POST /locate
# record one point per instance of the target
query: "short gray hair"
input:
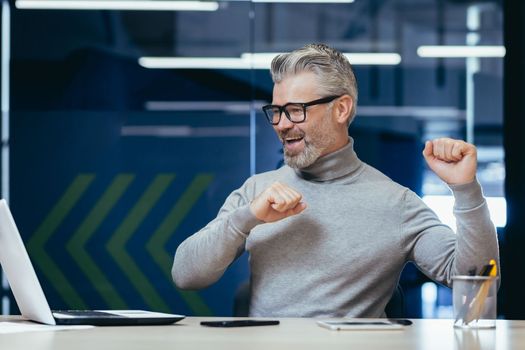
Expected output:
(333, 70)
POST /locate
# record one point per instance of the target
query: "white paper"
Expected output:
(21, 327)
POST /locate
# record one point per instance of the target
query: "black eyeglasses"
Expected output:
(294, 111)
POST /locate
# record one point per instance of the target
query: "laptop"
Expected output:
(30, 297)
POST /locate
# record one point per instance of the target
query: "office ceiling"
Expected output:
(60, 37)
(372, 25)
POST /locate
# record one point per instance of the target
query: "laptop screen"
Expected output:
(20, 272)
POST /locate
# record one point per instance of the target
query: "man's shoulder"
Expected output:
(376, 178)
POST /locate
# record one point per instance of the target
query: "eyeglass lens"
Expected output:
(294, 112)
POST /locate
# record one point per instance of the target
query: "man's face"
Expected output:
(318, 135)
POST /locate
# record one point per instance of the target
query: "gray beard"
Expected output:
(320, 139)
(305, 158)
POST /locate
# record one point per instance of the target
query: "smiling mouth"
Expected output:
(292, 140)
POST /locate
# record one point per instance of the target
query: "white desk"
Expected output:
(292, 333)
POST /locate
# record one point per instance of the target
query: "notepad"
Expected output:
(364, 324)
(23, 327)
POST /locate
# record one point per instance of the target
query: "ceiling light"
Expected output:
(373, 58)
(263, 60)
(254, 61)
(146, 5)
(461, 51)
(194, 62)
(307, 1)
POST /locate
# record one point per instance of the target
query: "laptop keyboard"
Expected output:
(84, 313)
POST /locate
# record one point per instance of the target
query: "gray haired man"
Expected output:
(327, 234)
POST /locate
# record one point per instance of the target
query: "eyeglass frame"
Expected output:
(304, 105)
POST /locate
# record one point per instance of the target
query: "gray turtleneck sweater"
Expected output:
(343, 255)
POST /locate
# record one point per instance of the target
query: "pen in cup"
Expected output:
(473, 306)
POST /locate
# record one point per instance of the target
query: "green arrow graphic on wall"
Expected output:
(156, 245)
(76, 245)
(36, 244)
(116, 246)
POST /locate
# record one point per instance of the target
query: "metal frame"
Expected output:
(6, 56)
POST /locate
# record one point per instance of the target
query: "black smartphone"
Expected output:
(239, 323)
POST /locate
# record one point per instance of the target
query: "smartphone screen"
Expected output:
(240, 323)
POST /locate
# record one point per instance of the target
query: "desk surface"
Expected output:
(292, 333)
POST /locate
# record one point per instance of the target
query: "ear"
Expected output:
(342, 108)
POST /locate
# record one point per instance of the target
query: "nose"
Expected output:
(284, 123)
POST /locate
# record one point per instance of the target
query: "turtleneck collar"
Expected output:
(340, 163)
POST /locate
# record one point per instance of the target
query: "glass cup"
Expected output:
(474, 301)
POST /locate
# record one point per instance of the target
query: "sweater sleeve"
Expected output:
(436, 249)
(202, 258)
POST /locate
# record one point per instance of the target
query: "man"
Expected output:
(327, 234)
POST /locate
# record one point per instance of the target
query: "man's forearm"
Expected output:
(477, 238)
(202, 258)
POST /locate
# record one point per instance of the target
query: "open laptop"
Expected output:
(30, 296)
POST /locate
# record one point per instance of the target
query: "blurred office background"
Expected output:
(129, 126)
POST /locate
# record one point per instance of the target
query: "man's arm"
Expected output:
(203, 257)
(437, 250)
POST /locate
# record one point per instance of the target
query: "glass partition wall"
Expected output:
(130, 127)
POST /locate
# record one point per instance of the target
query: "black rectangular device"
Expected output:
(240, 323)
